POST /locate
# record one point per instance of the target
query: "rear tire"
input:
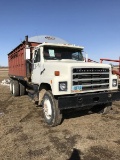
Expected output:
(16, 88)
(51, 112)
(11, 86)
(22, 89)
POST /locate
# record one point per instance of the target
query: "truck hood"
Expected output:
(74, 63)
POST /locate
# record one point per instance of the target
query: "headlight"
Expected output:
(114, 82)
(62, 86)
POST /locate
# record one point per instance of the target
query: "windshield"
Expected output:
(59, 53)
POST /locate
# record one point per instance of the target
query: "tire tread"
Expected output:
(16, 88)
(22, 89)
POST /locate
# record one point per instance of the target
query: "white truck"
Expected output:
(56, 75)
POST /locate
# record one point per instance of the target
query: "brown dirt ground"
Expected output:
(81, 136)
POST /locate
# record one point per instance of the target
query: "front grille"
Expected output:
(91, 78)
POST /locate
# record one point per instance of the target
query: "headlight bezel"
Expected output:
(114, 83)
(63, 86)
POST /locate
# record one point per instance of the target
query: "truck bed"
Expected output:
(17, 63)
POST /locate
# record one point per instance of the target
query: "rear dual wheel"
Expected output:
(11, 86)
(22, 88)
(17, 88)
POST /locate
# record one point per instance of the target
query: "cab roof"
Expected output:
(60, 45)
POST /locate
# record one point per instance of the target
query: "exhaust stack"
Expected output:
(26, 41)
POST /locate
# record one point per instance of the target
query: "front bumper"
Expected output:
(85, 101)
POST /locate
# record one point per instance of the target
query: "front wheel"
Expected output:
(51, 111)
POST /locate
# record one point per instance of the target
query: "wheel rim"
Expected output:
(47, 109)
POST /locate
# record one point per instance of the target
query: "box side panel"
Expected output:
(16, 61)
(17, 64)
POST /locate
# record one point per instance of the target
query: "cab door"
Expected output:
(36, 68)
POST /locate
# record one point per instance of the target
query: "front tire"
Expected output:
(51, 111)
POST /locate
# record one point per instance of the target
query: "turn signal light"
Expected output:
(57, 73)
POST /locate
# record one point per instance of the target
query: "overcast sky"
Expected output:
(94, 24)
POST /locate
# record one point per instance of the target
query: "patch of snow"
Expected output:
(5, 82)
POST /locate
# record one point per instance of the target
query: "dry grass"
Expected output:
(81, 136)
(3, 73)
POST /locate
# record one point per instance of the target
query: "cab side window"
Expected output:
(37, 56)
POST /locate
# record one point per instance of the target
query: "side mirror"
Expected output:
(86, 57)
(27, 53)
